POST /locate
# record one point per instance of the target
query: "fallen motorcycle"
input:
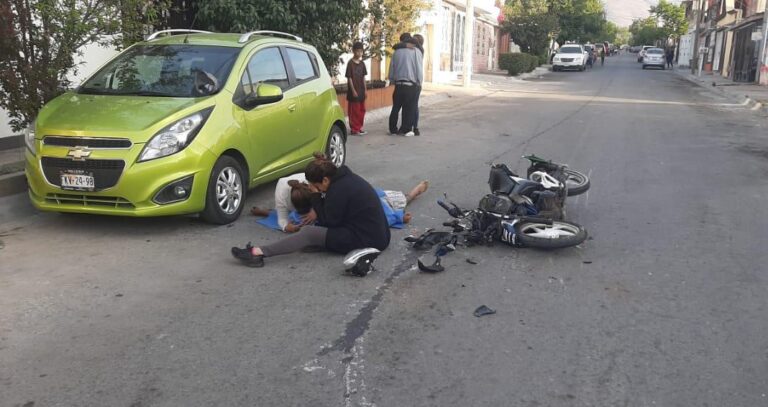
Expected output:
(543, 193)
(487, 225)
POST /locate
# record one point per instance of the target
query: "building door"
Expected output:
(457, 46)
(744, 57)
(718, 51)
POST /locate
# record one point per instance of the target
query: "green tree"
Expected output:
(671, 17)
(645, 31)
(329, 25)
(530, 24)
(386, 20)
(623, 36)
(40, 40)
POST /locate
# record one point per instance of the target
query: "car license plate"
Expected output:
(77, 181)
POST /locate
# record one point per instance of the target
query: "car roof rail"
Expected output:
(173, 31)
(247, 36)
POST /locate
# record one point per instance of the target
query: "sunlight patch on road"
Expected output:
(600, 99)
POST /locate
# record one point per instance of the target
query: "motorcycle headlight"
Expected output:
(175, 137)
(29, 138)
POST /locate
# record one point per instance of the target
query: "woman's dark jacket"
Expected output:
(351, 210)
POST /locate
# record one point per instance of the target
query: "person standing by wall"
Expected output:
(406, 73)
(355, 75)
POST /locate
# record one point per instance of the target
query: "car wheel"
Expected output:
(225, 197)
(643, 66)
(336, 149)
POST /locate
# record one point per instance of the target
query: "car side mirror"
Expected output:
(265, 94)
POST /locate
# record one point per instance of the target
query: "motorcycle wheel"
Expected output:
(577, 182)
(555, 236)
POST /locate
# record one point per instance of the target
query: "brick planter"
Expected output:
(375, 98)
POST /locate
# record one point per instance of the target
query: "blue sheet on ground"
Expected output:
(394, 216)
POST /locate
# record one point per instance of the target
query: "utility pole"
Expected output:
(469, 23)
(762, 62)
(699, 5)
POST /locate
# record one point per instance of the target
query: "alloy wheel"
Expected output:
(229, 190)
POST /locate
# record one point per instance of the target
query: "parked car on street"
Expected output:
(570, 56)
(654, 57)
(185, 122)
(641, 54)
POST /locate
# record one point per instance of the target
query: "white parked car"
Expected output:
(654, 57)
(642, 52)
(570, 56)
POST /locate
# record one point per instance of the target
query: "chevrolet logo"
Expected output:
(78, 154)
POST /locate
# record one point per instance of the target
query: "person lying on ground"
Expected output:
(293, 208)
(350, 213)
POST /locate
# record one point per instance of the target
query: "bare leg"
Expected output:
(256, 211)
(407, 217)
(419, 189)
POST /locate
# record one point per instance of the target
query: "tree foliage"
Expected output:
(386, 20)
(645, 31)
(671, 17)
(40, 40)
(329, 25)
(533, 23)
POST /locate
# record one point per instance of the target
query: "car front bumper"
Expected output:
(568, 64)
(134, 187)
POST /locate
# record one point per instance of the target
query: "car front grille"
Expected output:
(106, 173)
(86, 200)
(87, 142)
(567, 59)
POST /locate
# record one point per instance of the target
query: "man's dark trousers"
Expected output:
(405, 97)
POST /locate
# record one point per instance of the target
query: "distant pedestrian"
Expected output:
(356, 72)
(670, 58)
(602, 57)
(406, 73)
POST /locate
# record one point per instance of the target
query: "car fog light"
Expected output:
(176, 191)
(180, 191)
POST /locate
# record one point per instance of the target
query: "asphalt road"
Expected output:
(665, 305)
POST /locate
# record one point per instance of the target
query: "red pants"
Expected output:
(356, 116)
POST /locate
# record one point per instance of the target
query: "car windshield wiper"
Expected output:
(147, 93)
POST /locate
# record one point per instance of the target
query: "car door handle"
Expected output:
(292, 108)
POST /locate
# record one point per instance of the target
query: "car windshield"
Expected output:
(164, 70)
(570, 50)
(655, 51)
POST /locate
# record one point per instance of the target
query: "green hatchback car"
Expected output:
(185, 122)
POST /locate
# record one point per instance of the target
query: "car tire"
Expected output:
(225, 196)
(336, 146)
(643, 66)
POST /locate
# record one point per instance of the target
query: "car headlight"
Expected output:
(29, 138)
(175, 137)
(557, 59)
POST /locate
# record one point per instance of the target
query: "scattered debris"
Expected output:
(2, 245)
(436, 267)
(483, 310)
(504, 134)
(587, 261)
(230, 225)
(118, 295)
(471, 261)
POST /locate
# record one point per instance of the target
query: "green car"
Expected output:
(185, 122)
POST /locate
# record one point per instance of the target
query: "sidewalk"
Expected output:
(750, 94)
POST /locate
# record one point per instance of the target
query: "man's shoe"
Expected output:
(409, 134)
(362, 133)
(416, 132)
(247, 257)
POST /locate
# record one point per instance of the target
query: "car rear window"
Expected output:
(570, 50)
(654, 51)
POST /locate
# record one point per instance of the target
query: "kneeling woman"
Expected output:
(350, 216)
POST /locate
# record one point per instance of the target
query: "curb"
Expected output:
(745, 100)
(13, 183)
